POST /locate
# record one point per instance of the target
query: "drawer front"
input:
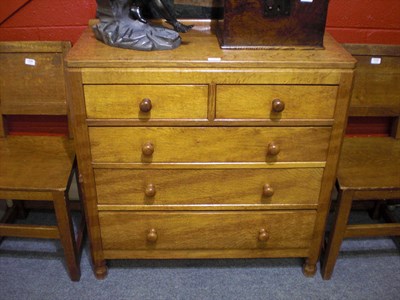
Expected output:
(132, 101)
(231, 186)
(208, 144)
(206, 230)
(275, 102)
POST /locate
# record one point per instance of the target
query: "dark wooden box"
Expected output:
(252, 24)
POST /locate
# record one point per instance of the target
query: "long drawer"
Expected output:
(275, 102)
(208, 144)
(212, 186)
(206, 230)
(146, 101)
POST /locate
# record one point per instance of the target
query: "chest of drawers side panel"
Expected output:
(342, 103)
(86, 177)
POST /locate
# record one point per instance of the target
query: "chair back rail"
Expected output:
(32, 80)
(376, 90)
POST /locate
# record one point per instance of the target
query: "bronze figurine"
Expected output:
(123, 25)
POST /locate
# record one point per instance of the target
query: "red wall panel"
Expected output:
(369, 126)
(349, 21)
(364, 13)
(42, 13)
(8, 8)
(37, 125)
(365, 21)
(48, 20)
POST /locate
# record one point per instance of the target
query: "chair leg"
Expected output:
(82, 225)
(337, 233)
(9, 215)
(67, 236)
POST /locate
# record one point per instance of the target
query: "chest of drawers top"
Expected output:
(200, 48)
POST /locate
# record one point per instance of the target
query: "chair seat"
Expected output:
(370, 163)
(35, 163)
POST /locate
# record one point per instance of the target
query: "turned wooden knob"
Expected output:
(263, 235)
(148, 149)
(278, 105)
(273, 149)
(145, 105)
(152, 235)
(150, 190)
(268, 191)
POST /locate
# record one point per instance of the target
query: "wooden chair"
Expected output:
(369, 167)
(35, 166)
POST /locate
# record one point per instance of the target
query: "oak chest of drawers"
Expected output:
(207, 153)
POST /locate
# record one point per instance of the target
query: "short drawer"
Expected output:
(146, 101)
(221, 186)
(275, 102)
(206, 230)
(208, 144)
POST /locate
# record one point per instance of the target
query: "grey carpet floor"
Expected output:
(34, 269)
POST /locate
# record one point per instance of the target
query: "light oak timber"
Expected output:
(214, 230)
(376, 193)
(329, 176)
(33, 46)
(372, 49)
(199, 46)
(211, 102)
(360, 153)
(214, 144)
(376, 86)
(396, 128)
(318, 102)
(50, 163)
(30, 231)
(229, 137)
(202, 75)
(204, 254)
(3, 126)
(82, 147)
(37, 167)
(210, 122)
(168, 101)
(368, 167)
(372, 230)
(69, 104)
(26, 195)
(35, 97)
(204, 207)
(362, 111)
(65, 226)
(229, 186)
(372, 81)
(210, 165)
